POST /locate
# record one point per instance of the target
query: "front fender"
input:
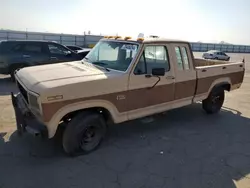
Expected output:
(55, 120)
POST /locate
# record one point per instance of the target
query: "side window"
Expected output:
(185, 58)
(179, 58)
(28, 48)
(73, 48)
(33, 48)
(56, 49)
(152, 57)
(182, 58)
(141, 66)
(17, 48)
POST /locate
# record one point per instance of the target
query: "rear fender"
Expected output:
(224, 83)
(220, 82)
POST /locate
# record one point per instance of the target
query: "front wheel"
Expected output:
(84, 133)
(214, 101)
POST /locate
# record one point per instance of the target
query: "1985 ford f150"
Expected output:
(120, 79)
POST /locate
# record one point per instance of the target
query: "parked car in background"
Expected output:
(17, 54)
(83, 52)
(79, 50)
(74, 47)
(215, 54)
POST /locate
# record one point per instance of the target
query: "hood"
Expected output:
(61, 72)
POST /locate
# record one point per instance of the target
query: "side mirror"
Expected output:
(158, 71)
(68, 53)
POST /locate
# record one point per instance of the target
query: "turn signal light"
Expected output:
(140, 39)
(127, 38)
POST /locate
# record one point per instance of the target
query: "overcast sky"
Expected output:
(192, 20)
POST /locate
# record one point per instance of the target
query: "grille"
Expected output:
(23, 92)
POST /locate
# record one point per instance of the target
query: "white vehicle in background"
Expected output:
(215, 54)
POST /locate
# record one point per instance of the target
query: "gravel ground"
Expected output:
(181, 148)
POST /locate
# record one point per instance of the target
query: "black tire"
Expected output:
(214, 101)
(216, 58)
(84, 126)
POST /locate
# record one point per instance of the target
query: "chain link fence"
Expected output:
(90, 40)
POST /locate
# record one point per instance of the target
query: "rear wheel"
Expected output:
(84, 133)
(214, 101)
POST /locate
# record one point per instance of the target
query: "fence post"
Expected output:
(84, 42)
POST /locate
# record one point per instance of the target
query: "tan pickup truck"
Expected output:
(120, 79)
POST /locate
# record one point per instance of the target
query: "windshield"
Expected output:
(112, 54)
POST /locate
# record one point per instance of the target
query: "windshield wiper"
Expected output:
(101, 64)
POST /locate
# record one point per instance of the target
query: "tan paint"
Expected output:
(133, 104)
(134, 98)
(125, 95)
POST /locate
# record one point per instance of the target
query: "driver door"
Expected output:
(143, 98)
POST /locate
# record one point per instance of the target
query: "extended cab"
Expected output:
(120, 79)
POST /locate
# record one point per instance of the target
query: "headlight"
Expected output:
(33, 101)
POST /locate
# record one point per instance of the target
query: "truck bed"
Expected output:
(206, 62)
(211, 72)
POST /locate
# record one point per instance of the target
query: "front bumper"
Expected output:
(25, 120)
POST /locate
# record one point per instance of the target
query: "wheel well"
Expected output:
(225, 86)
(103, 111)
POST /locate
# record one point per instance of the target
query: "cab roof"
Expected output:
(147, 40)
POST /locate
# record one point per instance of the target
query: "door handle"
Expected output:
(148, 75)
(53, 58)
(170, 77)
(26, 56)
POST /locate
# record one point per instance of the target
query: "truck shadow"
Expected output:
(185, 147)
(7, 86)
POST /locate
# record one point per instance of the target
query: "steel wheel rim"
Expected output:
(90, 137)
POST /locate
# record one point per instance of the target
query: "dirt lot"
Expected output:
(182, 148)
